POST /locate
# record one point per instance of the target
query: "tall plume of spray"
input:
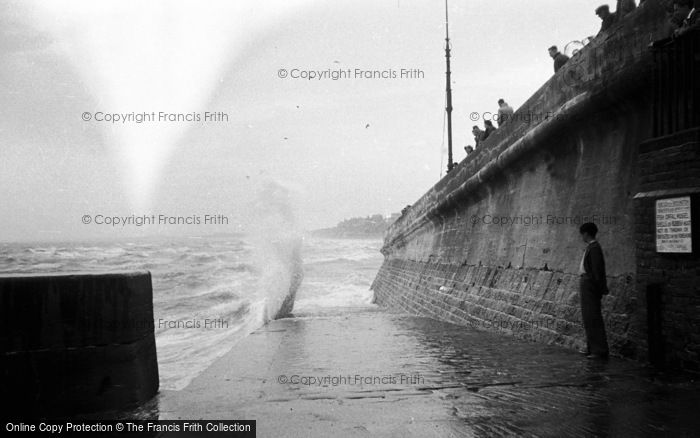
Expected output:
(169, 55)
(155, 55)
(271, 228)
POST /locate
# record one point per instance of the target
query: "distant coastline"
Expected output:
(370, 227)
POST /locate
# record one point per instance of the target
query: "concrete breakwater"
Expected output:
(495, 243)
(76, 343)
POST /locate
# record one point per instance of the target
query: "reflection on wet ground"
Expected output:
(371, 373)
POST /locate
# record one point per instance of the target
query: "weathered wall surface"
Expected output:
(76, 343)
(669, 284)
(495, 243)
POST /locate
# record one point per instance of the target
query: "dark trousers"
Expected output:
(593, 324)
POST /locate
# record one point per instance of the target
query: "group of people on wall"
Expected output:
(505, 111)
(681, 19)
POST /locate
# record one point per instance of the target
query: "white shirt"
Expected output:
(581, 269)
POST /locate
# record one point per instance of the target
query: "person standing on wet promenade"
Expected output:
(593, 286)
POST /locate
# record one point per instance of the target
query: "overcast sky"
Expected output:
(350, 147)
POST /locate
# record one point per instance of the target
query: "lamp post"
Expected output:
(448, 90)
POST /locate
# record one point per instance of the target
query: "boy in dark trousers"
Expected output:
(593, 286)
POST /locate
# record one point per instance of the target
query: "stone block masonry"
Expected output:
(668, 285)
(495, 244)
(531, 304)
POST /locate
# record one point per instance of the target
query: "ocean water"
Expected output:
(209, 293)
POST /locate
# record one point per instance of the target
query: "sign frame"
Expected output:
(690, 243)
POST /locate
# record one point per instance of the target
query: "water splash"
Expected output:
(276, 239)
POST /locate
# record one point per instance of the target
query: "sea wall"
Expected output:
(668, 285)
(74, 344)
(495, 243)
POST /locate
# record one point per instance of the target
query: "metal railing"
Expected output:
(676, 93)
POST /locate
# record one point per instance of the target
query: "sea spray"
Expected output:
(217, 278)
(143, 72)
(273, 244)
(276, 239)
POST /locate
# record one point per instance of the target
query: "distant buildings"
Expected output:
(360, 227)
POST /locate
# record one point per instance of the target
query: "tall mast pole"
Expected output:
(448, 75)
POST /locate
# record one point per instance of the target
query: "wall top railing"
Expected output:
(614, 64)
(676, 89)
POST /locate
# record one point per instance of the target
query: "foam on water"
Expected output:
(193, 280)
(243, 281)
(338, 275)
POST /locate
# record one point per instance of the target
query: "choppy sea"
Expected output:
(234, 283)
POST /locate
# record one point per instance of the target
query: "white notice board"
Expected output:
(673, 231)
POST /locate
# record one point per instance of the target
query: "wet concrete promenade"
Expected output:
(388, 375)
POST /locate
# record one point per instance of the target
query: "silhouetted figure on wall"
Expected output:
(489, 129)
(559, 58)
(624, 7)
(682, 19)
(691, 22)
(607, 17)
(504, 112)
(681, 9)
(478, 135)
(593, 286)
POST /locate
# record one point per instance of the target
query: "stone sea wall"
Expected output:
(495, 243)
